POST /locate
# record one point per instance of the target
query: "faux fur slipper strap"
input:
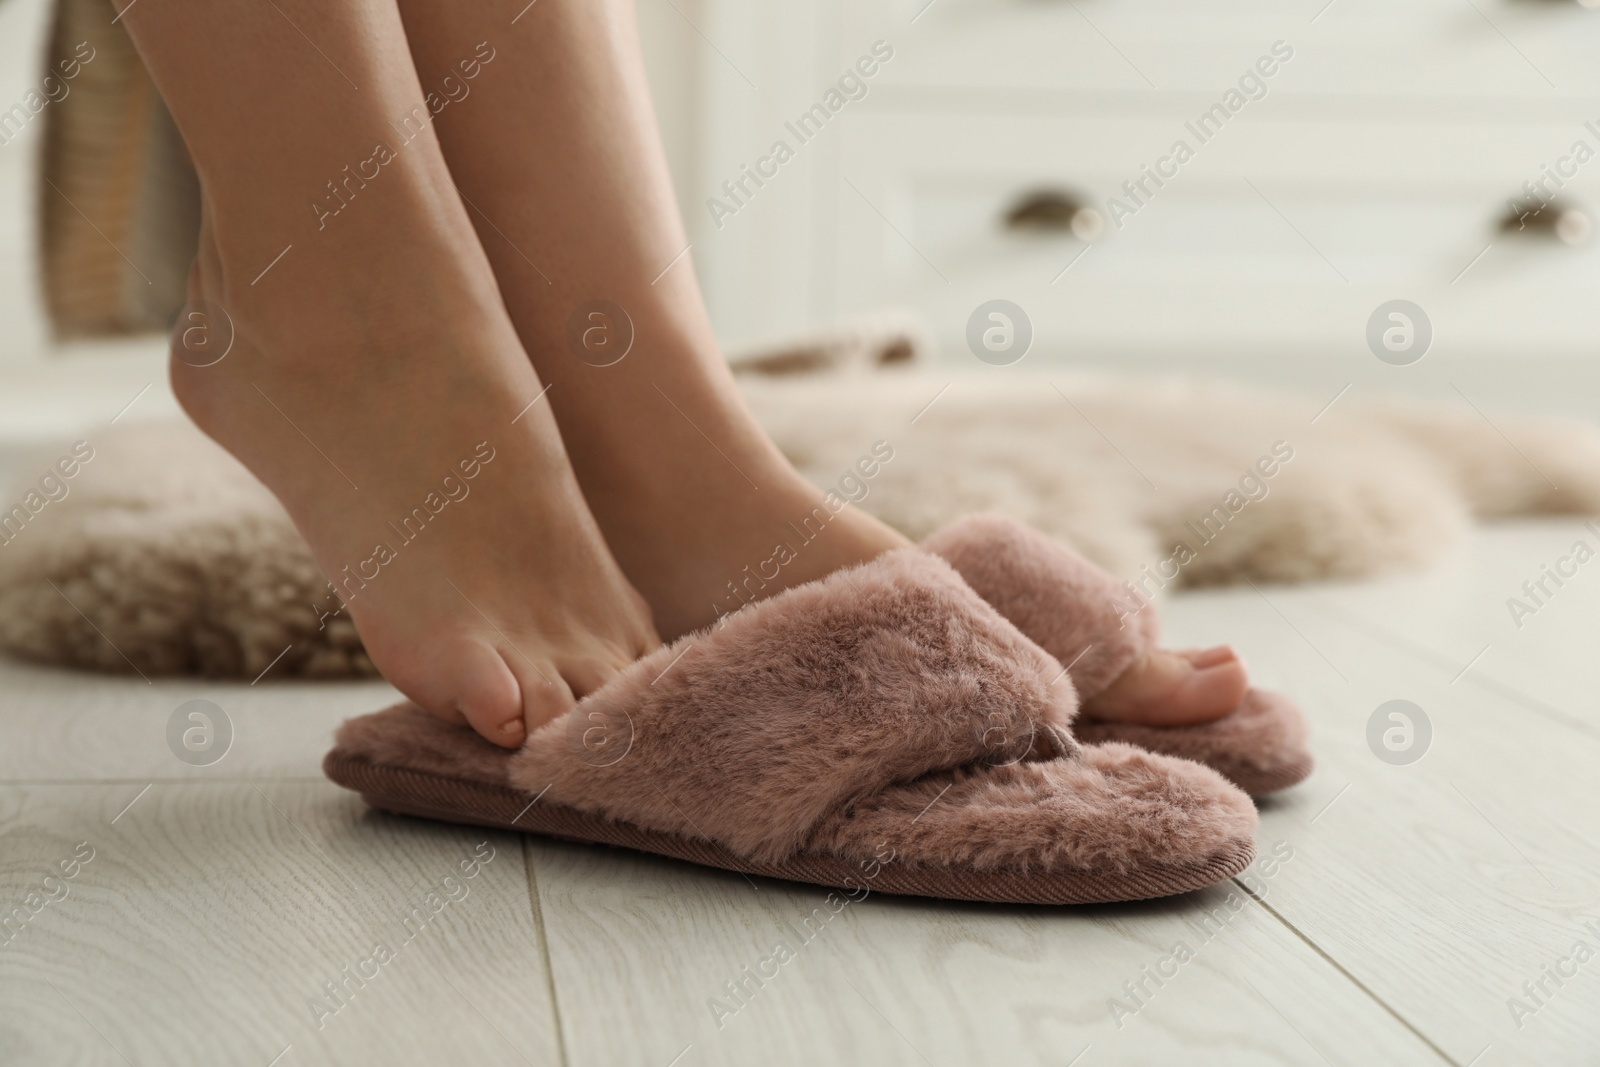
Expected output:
(749, 733)
(1082, 616)
(1075, 610)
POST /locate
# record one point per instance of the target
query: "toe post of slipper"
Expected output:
(883, 728)
(1079, 614)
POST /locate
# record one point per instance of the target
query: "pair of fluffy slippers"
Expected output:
(908, 725)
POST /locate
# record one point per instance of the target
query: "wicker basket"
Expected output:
(119, 201)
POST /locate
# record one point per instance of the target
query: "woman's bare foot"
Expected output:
(374, 382)
(696, 564)
(697, 555)
(1174, 688)
(385, 408)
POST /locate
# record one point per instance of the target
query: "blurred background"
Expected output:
(1426, 151)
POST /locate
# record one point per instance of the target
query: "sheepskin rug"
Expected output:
(162, 553)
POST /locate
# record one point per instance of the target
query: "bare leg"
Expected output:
(554, 143)
(375, 381)
(557, 145)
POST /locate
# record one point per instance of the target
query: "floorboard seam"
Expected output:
(529, 866)
(1358, 983)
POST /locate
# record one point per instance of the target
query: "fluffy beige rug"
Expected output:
(161, 553)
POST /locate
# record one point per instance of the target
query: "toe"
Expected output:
(1173, 689)
(545, 695)
(1210, 657)
(586, 676)
(1206, 694)
(469, 684)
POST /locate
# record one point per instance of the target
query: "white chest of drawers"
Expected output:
(1375, 162)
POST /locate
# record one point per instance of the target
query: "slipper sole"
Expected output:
(404, 791)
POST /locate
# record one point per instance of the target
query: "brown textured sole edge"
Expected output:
(409, 792)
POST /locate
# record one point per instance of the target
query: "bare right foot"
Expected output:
(1167, 688)
(382, 400)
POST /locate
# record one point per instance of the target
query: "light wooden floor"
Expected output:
(1415, 902)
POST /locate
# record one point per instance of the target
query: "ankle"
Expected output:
(395, 277)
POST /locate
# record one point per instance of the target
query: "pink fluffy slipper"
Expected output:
(1070, 607)
(882, 728)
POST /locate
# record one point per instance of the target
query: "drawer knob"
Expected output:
(1550, 220)
(1055, 211)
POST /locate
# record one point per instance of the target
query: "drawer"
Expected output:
(1485, 49)
(1274, 234)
